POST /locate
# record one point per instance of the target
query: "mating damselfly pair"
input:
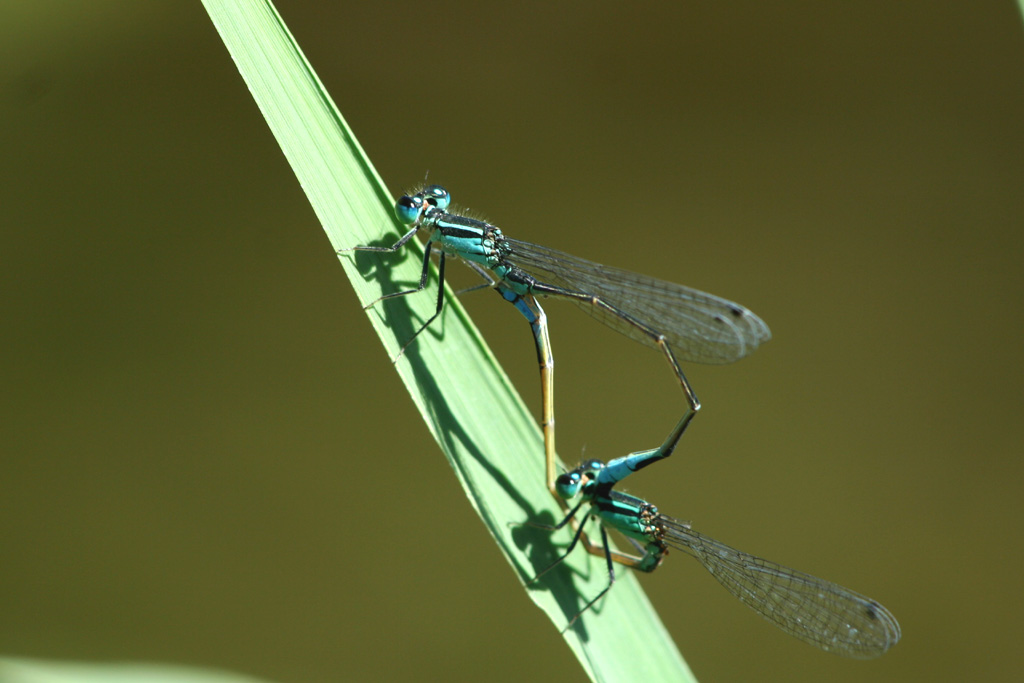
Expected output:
(684, 324)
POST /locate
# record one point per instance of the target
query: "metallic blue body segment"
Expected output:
(680, 322)
(816, 611)
(466, 239)
(516, 299)
(618, 469)
(624, 513)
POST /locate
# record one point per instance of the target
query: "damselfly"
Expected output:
(682, 323)
(813, 610)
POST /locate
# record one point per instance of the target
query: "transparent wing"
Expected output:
(700, 327)
(815, 611)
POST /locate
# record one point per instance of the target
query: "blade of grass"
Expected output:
(21, 670)
(450, 373)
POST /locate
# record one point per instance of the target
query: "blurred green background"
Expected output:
(208, 459)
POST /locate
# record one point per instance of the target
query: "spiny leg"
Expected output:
(489, 280)
(601, 550)
(604, 550)
(611, 580)
(648, 562)
(440, 296)
(394, 247)
(556, 527)
(424, 276)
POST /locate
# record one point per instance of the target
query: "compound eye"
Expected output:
(568, 485)
(408, 209)
(437, 196)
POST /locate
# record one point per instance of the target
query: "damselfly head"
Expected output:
(572, 482)
(410, 209)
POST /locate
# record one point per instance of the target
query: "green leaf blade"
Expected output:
(471, 408)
